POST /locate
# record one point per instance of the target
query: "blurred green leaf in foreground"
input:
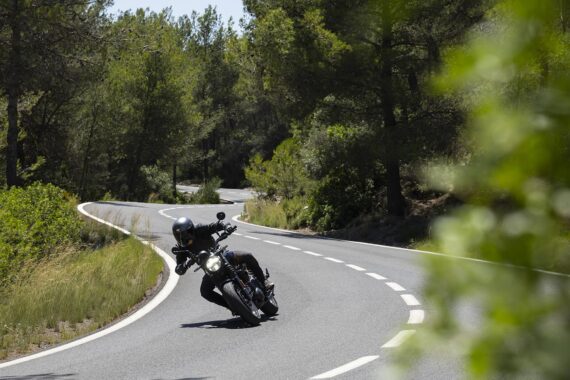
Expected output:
(514, 76)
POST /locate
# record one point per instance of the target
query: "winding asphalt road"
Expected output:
(344, 307)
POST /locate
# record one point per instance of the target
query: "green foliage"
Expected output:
(340, 197)
(283, 176)
(207, 193)
(515, 79)
(34, 223)
(288, 213)
(52, 305)
(158, 184)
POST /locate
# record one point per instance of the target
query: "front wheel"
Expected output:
(270, 307)
(250, 314)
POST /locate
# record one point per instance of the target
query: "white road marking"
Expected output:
(251, 237)
(345, 368)
(237, 234)
(356, 267)
(416, 317)
(163, 212)
(395, 286)
(312, 253)
(291, 247)
(376, 276)
(272, 242)
(410, 300)
(334, 260)
(161, 296)
(415, 251)
(399, 339)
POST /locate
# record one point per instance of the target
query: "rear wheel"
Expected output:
(246, 309)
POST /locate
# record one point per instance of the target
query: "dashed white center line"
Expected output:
(395, 286)
(410, 300)
(312, 253)
(291, 247)
(272, 242)
(376, 276)
(416, 317)
(399, 339)
(251, 237)
(356, 267)
(238, 234)
(334, 260)
(345, 368)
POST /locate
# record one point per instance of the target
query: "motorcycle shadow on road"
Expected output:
(230, 324)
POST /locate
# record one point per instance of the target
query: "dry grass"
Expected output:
(73, 294)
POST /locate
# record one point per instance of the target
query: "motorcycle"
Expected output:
(240, 288)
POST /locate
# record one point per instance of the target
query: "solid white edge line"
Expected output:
(410, 300)
(399, 338)
(376, 276)
(347, 367)
(161, 296)
(395, 286)
(334, 260)
(415, 251)
(355, 267)
(416, 317)
(312, 253)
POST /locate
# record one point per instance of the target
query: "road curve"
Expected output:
(344, 307)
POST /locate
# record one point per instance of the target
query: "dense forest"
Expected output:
(126, 107)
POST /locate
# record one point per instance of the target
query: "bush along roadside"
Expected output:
(62, 283)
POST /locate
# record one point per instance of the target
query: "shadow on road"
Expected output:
(230, 324)
(40, 376)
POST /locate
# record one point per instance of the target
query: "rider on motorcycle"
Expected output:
(195, 238)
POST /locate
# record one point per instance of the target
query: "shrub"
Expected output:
(158, 185)
(207, 193)
(341, 197)
(283, 176)
(34, 222)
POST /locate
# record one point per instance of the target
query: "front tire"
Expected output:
(270, 307)
(237, 304)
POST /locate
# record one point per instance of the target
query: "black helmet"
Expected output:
(183, 231)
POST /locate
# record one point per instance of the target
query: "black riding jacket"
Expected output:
(203, 241)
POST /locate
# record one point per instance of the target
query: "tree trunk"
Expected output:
(87, 153)
(174, 180)
(13, 91)
(396, 203)
(205, 165)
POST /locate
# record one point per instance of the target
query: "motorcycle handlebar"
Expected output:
(227, 232)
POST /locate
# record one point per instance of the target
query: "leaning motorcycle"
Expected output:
(240, 288)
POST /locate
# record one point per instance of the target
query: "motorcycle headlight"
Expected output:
(213, 263)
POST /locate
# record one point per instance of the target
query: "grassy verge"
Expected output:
(74, 293)
(288, 214)
(269, 214)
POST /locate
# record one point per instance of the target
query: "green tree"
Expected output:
(283, 176)
(42, 40)
(146, 98)
(364, 62)
(514, 78)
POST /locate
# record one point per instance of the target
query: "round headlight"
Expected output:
(213, 263)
